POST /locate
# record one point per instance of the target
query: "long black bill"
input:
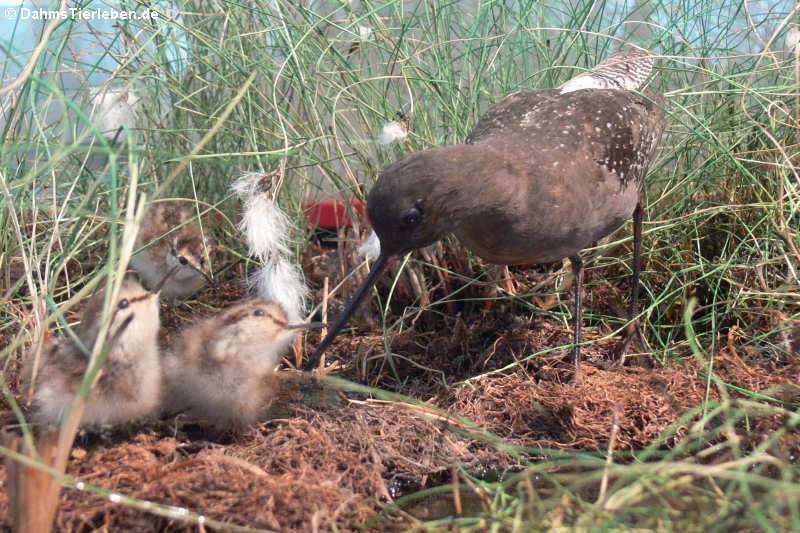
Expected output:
(160, 284)
(307, 325)
(378, 268)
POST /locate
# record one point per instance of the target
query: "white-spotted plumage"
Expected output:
(543, 174)
(129, 386)
(267, 231)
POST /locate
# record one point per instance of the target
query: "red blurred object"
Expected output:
(217, 216)
(332, 213)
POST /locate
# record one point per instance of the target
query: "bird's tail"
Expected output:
(627, 68)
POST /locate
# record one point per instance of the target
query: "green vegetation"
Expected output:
(306, 89)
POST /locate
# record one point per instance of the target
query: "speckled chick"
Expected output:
(129, 386)
(185, 247)
(221, 369)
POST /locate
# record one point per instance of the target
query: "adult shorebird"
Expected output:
(543, 174)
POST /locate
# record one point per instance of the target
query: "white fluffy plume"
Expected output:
(266, 228)
(392, 132)
(371, 247)
(114, 108)
(282, 282)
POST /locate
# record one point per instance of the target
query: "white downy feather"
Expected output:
(265, 226)
(392, 132)
(371, 247)
(266, 229)
(283, 282)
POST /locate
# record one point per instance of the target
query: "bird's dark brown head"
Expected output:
(412, 203)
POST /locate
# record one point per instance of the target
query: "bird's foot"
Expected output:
(633, 330)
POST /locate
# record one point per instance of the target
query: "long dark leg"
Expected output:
(633, 310)
(638, 215)
(577, 271)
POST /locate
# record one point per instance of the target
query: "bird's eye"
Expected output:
(182, 260)
(258, 312)
(413, 216)
(123, 304)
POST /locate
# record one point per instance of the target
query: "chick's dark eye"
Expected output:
(123, 304)
(258, 312)
(413, 216)
(182, 260)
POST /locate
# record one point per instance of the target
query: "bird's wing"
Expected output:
(509, 114)
(625, 69)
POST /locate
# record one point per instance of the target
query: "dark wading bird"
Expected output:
(544, 174)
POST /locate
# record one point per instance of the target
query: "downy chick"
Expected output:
(129, 386)
(220, 369)
(184, 248)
